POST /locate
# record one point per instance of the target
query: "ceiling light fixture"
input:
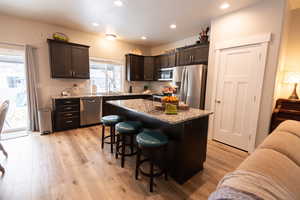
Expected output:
(95, 24)
(225, 6)
(173, 26)
(110, 36)
(118, 3)
(144, 38)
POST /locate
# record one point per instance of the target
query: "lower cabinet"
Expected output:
(66, 114)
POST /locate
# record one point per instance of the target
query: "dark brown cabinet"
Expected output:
(150, 71)
(191, 55)
(60, 60)
(172, 59)
(183, 57)
(69, 60)
(134, 67)
(140, 68)
(147, 68)
(165, 61)
(200, 54)
(80, 62)
(66, 114)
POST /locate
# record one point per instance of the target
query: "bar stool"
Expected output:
(127, 130)
(151, 141)
(110, 121)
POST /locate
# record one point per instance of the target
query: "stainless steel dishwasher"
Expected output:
(90, 110)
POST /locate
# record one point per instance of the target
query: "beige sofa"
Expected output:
(271, 172)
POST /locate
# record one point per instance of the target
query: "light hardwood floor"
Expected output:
(71, 165)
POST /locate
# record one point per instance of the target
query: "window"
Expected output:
(107, 76)
(13, 85)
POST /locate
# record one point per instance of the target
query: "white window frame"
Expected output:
(117, 62)
(21, 50)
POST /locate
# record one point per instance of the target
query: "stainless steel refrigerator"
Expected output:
(191, 81)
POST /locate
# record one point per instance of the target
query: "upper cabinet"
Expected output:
(165, 60)
(191, 55)
(150, 71)
(69, 60)
(80, 62)
(146, 68)
(134, 67)
(140, 68)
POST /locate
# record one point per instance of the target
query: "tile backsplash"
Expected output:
(138, 86)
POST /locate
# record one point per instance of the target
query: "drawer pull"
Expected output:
(68, 108)
(69, 114)
(69, 122)
(68, 102)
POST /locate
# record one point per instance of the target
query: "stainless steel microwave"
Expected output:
(165, 74)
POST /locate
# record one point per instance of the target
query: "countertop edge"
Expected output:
(100, 95)
(112, 102)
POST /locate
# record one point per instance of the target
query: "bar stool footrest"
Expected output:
(126, 154)
(148, 174)
(108, 136)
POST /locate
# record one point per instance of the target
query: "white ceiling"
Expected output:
(136, 18)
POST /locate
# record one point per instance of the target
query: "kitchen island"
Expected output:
(187, 133)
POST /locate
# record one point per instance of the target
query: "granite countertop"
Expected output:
(112, 94)
(147, 107)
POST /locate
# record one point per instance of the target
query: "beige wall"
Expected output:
(290, 57)
(280, 89)
(184, 42)
(15, 30)
(264, 17)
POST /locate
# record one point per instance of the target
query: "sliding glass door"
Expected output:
(13, 88)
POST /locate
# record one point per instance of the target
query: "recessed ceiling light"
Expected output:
(224, 6)
(95, 24)
(144, 38)
(110, 36)
(118, 3)
(173, 26)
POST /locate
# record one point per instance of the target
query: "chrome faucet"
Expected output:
(66, 92)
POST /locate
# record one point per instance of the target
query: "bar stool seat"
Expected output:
(151, 141)
(110, 121)
(129, 127)
(127, 130)
(151, 138)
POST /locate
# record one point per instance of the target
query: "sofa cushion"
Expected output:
(277, 166)
(285, 143)
(291, 126)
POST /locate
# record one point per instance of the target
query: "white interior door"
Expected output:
(238, 92)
